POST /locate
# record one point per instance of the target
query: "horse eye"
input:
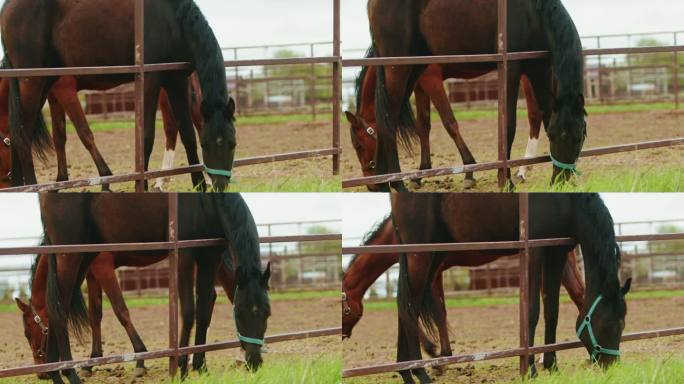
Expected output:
(219, 141)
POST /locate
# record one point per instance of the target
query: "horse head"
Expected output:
(36, 332)
(251, 309)
(218, 142)
(364, 137)
(567, 131)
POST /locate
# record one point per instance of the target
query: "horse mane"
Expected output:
(371, 235)
(240, 230)
(566, 52)
(358, 84)
(34, 268)
(207, 57)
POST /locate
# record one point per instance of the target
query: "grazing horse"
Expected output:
(429, 87)
(73, 34)
(447, 218)
(417, 28)
(114, 218)
(100, 276)
(63, 98)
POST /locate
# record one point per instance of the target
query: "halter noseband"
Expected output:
(597, 349)
(218, 172)
(244, 339)
(565, 166)
(42, 351)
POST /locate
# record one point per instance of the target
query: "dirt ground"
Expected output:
(495, 328)
(152, 324)
(481, 137)
(117, 145)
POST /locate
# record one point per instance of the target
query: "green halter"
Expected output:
(596, 348)
(565, 166)
(245, 339)
(218, 172)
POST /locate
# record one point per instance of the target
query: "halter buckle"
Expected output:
(7, 141)
(370, 131)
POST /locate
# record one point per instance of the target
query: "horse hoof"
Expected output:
(439, 370)
(86, 372)
(417, 183)
(140, 371)
(469, 183)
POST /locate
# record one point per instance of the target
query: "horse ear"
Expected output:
(266, 276)
(625, 288)
(22, 306)
(351, 118)
(230, 108)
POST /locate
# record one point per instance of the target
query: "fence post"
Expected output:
(676, 74)
(337, 87)
(173, 283)
(600, 75)
(524, 217)
(140, 93)
(313, 85)
(237, 83)
(503, 91)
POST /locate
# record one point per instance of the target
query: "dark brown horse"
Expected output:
(417, 27)
(63, 100)
(365, 268)
(429, 87)
(51, 33)
(447, 218)
(101, 276)
(115, 218)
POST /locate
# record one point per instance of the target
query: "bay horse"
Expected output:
(429, 87)
(63, 100)
(101, 276)
(73, 33)
(364, 269)
(116, 218)
(446, 218)
(419, 28)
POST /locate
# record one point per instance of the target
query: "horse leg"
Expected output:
(205, 296)
(554, 262)
(95, 317)
(67, 277)
(68, 99)
(513, 80)
(534, 279)
(59, 136)
(151, 98)
(103, 271)
(187, 304)
(177, 89)
(171, 134)
(423, 128)
(32, 97)
(442, 324)
(417, 267)
(535, 118)
(434, 86)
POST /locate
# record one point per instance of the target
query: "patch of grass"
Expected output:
(321, 370)
(296, 183)
(660, 370)
(636, 180)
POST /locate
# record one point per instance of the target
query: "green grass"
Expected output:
(656, 371)
(322, 370)
(137, 302)
(636, 180)
(296, 183)
(475, 302)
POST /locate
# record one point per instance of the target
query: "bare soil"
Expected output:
(495, 328)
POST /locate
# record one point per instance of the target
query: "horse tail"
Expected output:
(76, 317)
(41, 141)
(406, 127)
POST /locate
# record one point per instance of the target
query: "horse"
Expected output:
(365, 268)
(446, 218)
(114, 218)
(429, 87)
(100, 276)
(63, 97)
(72, 34)
(419, 28)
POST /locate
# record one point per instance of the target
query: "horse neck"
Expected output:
(39, 285)
(367, 104)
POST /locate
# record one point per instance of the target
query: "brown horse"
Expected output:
(419, 28)
(130, 218)
(63, 97)
(365, 268)
(448, 218)
(100, 276)
(73, 34)
(429, 87)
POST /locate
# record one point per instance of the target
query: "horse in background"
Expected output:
(418, 28)
(429, 87)
(101, 276)
(73, 34)
(63, 100)
(448, 218)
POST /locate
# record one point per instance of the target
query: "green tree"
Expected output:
(664, 58)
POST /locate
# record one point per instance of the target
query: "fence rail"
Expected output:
(524, 244)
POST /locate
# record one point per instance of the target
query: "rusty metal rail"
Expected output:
(173, 245)
(139, 68)
(523, 245)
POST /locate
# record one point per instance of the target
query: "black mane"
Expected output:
(358, 85)
(240, 230)
(372, 235)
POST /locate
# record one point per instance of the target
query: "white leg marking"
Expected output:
(532, 146)
(167, 163)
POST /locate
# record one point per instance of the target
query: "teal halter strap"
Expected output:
(565, 166)
(586, 323)
(218, 172)
(245, 339)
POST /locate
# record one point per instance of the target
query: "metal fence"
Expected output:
(524, 244)
(139, 68)
(502, 58)
(173, 245)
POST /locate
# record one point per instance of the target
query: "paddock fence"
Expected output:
(524, 244)
(140, 68)
(503, 57)
(173, 245)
